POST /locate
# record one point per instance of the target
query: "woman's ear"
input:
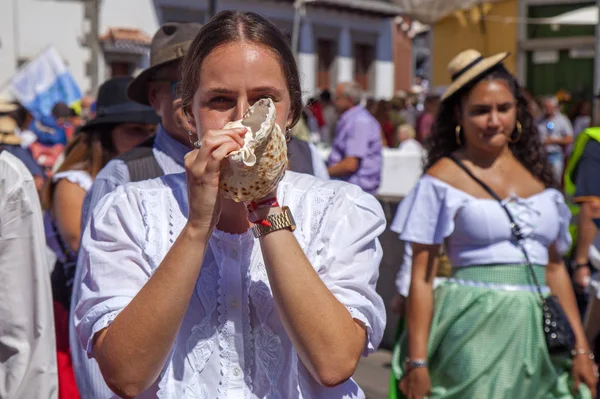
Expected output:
(189, 118)
(290, 118)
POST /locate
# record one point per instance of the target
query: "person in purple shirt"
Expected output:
(356, 152)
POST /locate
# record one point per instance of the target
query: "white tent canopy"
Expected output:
(430, 11)
(582, 16)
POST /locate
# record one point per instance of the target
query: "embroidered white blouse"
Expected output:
(232, 343)
(83, 180)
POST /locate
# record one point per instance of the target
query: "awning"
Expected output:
(385, 8)
(125, 40)
(431, 11)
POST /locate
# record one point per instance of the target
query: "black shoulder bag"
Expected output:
(560, 338)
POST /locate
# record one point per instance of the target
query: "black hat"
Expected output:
(169, 44)
(114, 107)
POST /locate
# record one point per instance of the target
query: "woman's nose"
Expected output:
(241, 109)
(494, 120)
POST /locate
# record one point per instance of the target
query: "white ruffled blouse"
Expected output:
(232, 343)
(83, 180)
(476, 231)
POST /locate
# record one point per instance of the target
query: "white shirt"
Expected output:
(232, 343)
(410, 145)
(83, 180)
(27, 340)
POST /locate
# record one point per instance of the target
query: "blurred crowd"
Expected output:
(406, 119)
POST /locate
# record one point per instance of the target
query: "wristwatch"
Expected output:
(283, 220)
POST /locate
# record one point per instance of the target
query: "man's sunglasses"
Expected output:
(175, 86)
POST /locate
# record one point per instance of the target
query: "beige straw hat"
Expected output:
(469, 65)
(6, 107)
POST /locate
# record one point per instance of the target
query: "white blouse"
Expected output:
(232, 343)
(83, 180)
(477, 231)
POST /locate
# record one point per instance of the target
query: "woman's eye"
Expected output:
(218, 100)
(480, 111)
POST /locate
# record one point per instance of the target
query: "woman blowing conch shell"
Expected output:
(210, 297)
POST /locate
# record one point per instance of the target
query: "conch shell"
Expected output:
(255, 170)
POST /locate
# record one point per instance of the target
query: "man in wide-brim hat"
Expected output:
(164, 154)
(114, 108)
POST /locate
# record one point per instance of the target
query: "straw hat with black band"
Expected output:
(6, 107)
(468, 66)
(8, 125)
(168, 46)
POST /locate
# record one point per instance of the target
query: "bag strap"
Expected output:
(516, 230)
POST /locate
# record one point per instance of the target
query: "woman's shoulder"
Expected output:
(302, 184)
(78, 177)
(171, 182)
(299, 190)
(445, 171)
(143, 194)
(441, 180)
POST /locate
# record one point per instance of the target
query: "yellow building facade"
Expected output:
(466, 29)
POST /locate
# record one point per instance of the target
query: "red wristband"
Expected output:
(267, 203)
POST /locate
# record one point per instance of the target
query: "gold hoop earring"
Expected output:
(457, 133)
(519, 133)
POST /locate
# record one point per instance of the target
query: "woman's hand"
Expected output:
(416, 383)
(581, 277)
(398, 305)
(584, 371)
(202, 169)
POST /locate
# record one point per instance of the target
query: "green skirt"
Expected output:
(486, 339)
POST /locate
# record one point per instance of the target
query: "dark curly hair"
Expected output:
(529, 149)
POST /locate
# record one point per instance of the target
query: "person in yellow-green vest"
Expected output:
(582, 187)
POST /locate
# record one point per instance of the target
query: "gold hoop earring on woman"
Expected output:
(519, 133)
(457, 133)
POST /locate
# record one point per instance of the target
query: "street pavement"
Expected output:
(373, 374)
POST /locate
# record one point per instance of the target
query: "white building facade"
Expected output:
(28, 26)
(338, 40)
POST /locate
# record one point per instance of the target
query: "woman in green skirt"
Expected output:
(479, 334)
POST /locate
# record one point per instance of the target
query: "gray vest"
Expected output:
(300, 156)
(141, 163)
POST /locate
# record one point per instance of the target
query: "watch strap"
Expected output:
(280, 221)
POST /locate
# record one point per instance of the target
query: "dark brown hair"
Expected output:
(89, 151)
(529, 149)
(233, 26)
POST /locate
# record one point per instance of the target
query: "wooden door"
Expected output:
(364, 55)
(325, 57)
(120, 69)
